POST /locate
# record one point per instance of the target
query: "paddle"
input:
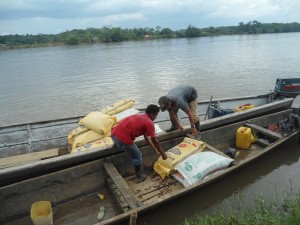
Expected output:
(296, 105)
(208, 107)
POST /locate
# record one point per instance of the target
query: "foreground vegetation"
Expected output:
(263, 213)
(110, 34)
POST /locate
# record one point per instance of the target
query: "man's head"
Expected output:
(163, 103)
(152, 111)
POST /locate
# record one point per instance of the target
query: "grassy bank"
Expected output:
(271, 213)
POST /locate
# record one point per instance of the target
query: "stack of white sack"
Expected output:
(198, 166)
(190, 161)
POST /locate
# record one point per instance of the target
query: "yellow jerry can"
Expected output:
(244, 138)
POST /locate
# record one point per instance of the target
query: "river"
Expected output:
(53, 82)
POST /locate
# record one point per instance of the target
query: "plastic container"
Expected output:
(248, 106)
(41, 213)
(243, 138)
(243, 107)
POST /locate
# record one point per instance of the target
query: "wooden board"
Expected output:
(264, 131)
(122, 185)
(25, 158)
(296, 103)
(154, 188)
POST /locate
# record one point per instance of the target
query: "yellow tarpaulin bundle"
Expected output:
(94, 126)
(87, 137)
(75, 133)
(118, 107)
(97, 125)
(176, 154)
(99, 122)
(103, 143)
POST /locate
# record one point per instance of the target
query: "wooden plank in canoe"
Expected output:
(154, 188)
(262, 142)
(264, 130)
(30, 157)
(122, 185)
(296, 103)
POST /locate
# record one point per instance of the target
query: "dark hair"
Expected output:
(163, 103)
(152, 109)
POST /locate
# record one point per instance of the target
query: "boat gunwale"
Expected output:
(142, 109)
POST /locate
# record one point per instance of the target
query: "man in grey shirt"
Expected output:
(182, 97)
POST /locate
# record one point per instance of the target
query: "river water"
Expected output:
(54, 82)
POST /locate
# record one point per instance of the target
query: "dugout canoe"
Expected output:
(74, 191)
(17, 139)
(32, 149)
(38, 148)
(43, 135)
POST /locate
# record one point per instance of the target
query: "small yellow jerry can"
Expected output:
(244, 138)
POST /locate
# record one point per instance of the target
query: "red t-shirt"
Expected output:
(134, 126)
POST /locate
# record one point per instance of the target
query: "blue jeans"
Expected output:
(132, 150)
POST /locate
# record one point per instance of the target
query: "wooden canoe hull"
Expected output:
(39, 136)
(72, 191)
(48, 130)
(53, 134)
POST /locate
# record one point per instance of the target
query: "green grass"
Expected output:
(272, 213)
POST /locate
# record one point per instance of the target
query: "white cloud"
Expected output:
(16, 4)
(123, 17)
(20, 16)
(245, 9)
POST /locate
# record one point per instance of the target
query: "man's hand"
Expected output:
(195, 132)
(164, 156)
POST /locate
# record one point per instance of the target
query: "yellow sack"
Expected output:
(176, 154)
(99, 122)
(85, 138)
(118, 107)
(76, 132)
(103, 143)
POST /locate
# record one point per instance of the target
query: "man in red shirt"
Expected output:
(134, 126)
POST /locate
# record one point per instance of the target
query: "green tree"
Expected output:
(192, 32)
(72, 40)
(166, 33)
(109, 34)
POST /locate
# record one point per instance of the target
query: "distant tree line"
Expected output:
(111, 34)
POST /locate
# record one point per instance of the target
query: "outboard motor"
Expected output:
(288, 87)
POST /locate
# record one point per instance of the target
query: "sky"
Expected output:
(56, 16)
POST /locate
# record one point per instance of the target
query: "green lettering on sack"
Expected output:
(198, 176)
(188, 167)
